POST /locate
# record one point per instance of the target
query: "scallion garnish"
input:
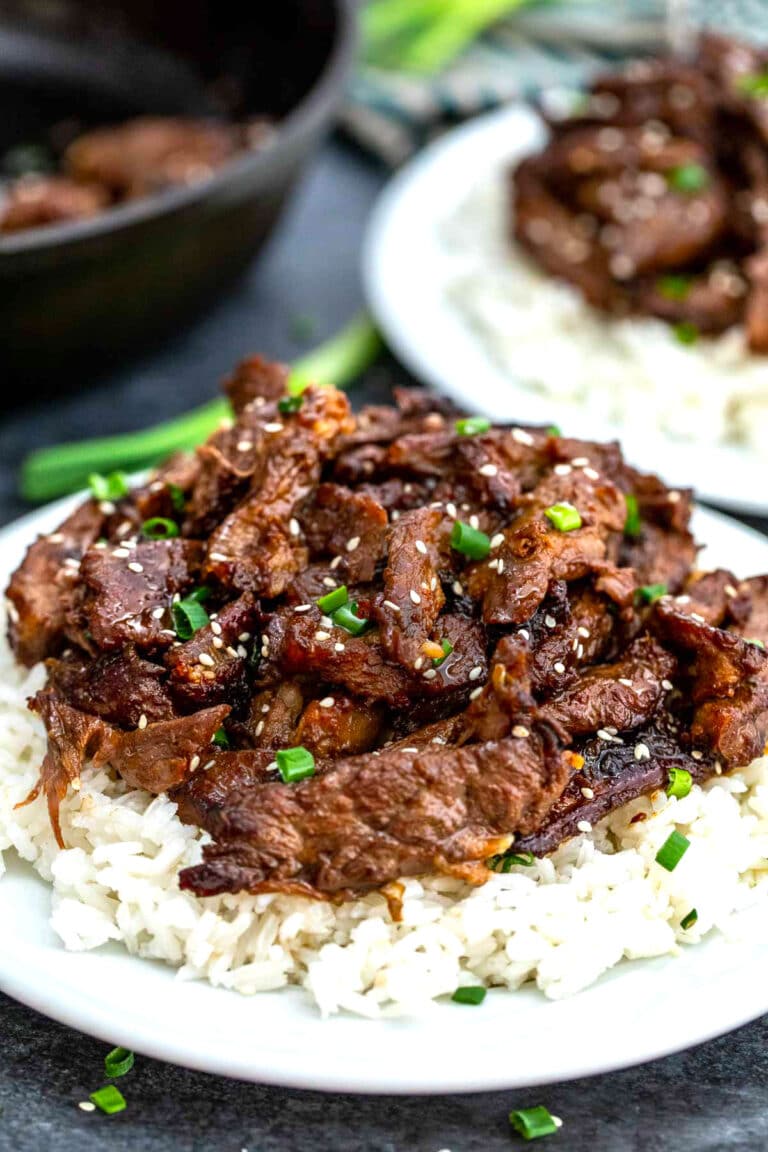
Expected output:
(220, 739)
(633, 525)
(753, 84)
(118, 1062)
(672, 851)
(554, 430)
(346, 617)
(507, 860)
(688, 178)
(472, 425)
(333, 600)
(680, 782)
(470, 541)
(674, 287)
(531, 1123)
(563, 516)
(648, 593)
(685, 332)
(289, 404)
(295, 764)
(189, 616)
(469, 994)
(689, 919)
(755, 642)
(109, 1099)
(159, 528)
(447, 648)
(111, 487)
(178, 499)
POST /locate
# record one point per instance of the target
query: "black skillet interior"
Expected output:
(67, 65)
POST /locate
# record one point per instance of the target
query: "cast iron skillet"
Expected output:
(87, 292)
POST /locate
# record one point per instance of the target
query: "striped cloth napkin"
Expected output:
(554, 45)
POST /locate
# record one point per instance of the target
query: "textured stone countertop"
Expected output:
(714, 1097)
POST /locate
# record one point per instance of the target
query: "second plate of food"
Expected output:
(467, 311)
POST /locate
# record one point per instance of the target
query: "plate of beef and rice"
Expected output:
(598, 258)
(394, 732)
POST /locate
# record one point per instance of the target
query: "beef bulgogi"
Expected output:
(360, 647)
(651, 197)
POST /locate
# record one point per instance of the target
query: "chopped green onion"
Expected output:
(346, 617)
(289, 404)
(753, 84)
(532, 1123)
(111, 487)
(672, 851)
(447, 648)
(178, 499)
(333, 600)
(632, 525)
(472, 425)
(109, 1099)
(688, 178)
(689, 919)
(295, 764)
(685, 332)
(554, 430)
(159, 528)
(674, 287)
(507, 860)
(220, 739)
(469, 541)
(564, 517)
(189, 616)
(118, 1062)
(339, 359)
(651, 592)
(470, 994)
(757, 643)
(680, 782)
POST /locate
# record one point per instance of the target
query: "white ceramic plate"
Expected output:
(637, 1012)
(405, 269)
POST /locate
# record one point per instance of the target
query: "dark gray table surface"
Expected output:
(713, 1097)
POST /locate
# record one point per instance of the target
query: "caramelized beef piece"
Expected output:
(339, 726)
(752, 613)
(37, 201)
(370, 820)
(129, 591)
(119, 687)
(567, 633)
(273, 716)
(413, 595)
(203, 794)
(212, 667)
(151, 153)
(665, 550)
(255, 382)
(43, 588)
(161, 755)
(349, 525)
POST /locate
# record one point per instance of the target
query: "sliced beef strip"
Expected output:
(339, 725)
(273, 716)
(568, 632)
(258, 547)
(120, 687)
(129, 590)
(413, 595)
(212, 667)
(371, 820)
(256, 382)
(752, 619)
(619, 696)
(533, 553)
(349, 525)
(203, 794)
(42, 589)
(665, 551)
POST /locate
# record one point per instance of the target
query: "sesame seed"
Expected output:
(451, 510)
(493, 564)
(418, 663)
(730, 590)
(642, 752)
(76, 784)
(673, 497)
(520, 732)
(474, 522)
(244, 445)
(421, 547)
(559, 667)
(430, 674)
(500, 567)
(264, 709)
(329, 582)
(433, 584)
(194, 763)
(320, 635)
(219, 557)
(302, 608)
(475, 693)
(590, 472)
(562, 469)
(550, 621)
(244, 637)
(497, 540)
(697, 755)
(604, 734)
(326, 622)
(488, 470)
(580, 461)
(584, 632)
(339, 647)
(390, 604)
(353, 543)
(259, 727)
(293, 526)
(580, 651)
(626, 682)
(415, 598)
(107, 507)
(335, 563)
(457, 588)
(217, 642)
(56, 537)
(158, 613)
(522, 437)
(142, 721)
(87, 1106)
(524, 633)
(120, 553)
(587, 793)
(207, 660)
(699, 619)
(476, 672)
(584, 826)
(667, 685)
(327, 702)
(411, 750)
(274, 427)
(135, 566)
(718, 768)
(241, 651)
(682, 599)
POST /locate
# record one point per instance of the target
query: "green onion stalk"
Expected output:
(52, 472)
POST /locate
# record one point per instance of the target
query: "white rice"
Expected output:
(561, 923)
(541, 332)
